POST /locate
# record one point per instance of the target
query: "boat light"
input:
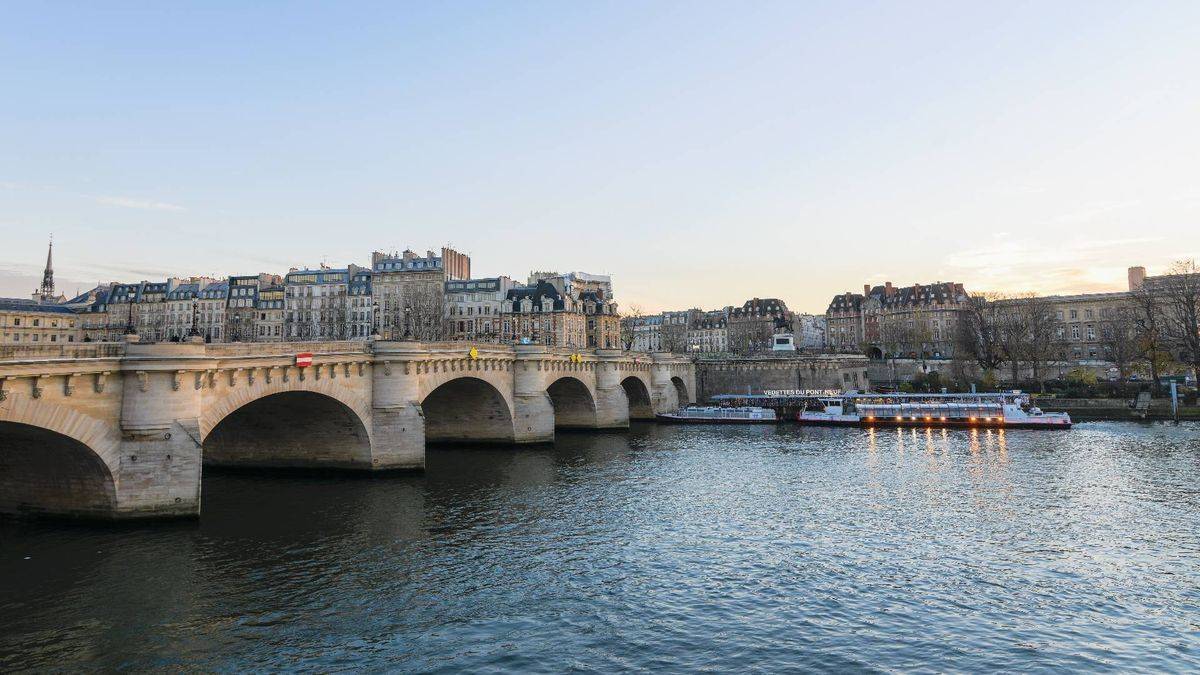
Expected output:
(899, 418)
(943, 419)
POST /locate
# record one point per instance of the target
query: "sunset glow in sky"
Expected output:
(701, 153)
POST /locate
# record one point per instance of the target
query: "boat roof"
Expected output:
(968, 395)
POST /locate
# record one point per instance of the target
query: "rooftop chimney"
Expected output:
(1137, 277)
(866, 289)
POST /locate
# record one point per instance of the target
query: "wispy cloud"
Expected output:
(145, 205)
(1045, 265)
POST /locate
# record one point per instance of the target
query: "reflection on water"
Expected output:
(667, 548)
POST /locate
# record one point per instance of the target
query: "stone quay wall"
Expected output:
(757, 374)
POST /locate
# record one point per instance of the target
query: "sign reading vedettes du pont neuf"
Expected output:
(304, 360)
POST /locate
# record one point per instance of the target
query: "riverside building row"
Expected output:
(399, 296)
(750, 328)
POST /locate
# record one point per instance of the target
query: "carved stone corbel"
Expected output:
(177, 379)
(333, 371)
(387, 367)
(287, 373)
(250, 376)
(212, 378)
(4, 385)
(267, 373)
(346, 369)
(316, 368)
(69, 383)
(362, 366)
(199, 383)
(143, 380)
(99, 384)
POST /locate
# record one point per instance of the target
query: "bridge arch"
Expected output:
(289, 428)
(637, 392)
(574, 403)
(46, 472)
(682, 396)
(467, 410)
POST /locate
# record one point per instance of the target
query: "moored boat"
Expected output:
(719, 415)
(1004, 410)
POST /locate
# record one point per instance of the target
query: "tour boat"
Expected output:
(1007, 410)
(718, 415)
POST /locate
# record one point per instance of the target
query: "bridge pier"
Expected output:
(397, 425)
(157, 471)
(533, 412)
(612, 403)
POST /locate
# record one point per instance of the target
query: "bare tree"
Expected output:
(978, 333)
(1045, 340)
(1119, 338)
(629, 322)
(1180, 291)
(1153, 348)
(894, 337)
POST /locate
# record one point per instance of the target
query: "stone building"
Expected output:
(474, 308)
(317, 303)
(272, 307)
(751, 327)
(34, 322)
(914, 320)
(709, 332)
(1084, 324)
(122, 310)
(361, 300)
(541, 314)
(809, 331)
(409, 291)
(645, 333)
(211, 305)
(243, 311)
(179, 310)
(576, 284)
(603, 322)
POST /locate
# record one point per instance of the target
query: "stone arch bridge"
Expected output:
(122, 430)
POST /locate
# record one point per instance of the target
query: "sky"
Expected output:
(702, 153)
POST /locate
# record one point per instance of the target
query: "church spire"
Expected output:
(47, 290)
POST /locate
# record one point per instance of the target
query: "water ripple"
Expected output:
(667, 549)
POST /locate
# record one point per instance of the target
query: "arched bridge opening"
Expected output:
(640, 405)
(682, 397)
(467, 410)
(45, 473)
(574, 405)
(290, 429)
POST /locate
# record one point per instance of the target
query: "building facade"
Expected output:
(316, 303)
(752, 326)
(709, 333)
(917, 320)
(410, 291)
(474, 308)
(34, 322)
(541, 314)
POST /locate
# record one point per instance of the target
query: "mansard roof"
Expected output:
(23, 305)
(544, 296)
(760, 307)
(890, 297)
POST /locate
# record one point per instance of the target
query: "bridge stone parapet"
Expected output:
(123, 430)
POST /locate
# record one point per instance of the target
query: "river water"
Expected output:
(665, 549)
